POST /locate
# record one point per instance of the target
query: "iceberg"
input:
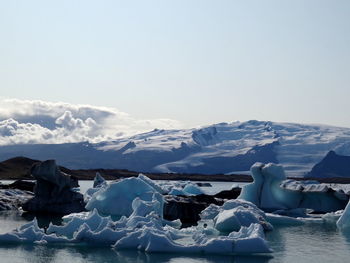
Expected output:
(116, 198)
(271, 191)
(142, 227)
(186, 189)
(320, 197)
(99, 180)
(265, 191)
(234, 214)
(53, 191)
(343, 222)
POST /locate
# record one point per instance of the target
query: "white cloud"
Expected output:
(35, 121)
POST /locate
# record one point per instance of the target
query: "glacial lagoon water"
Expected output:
(307, 243)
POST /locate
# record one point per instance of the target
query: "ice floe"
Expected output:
(271, 191)
(234, 214)
(141, 226)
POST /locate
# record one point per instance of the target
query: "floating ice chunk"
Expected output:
(99, 180)
(29, 233)
(143, 208)
(192, 189)
(265, 191)
(332, 217)
(213, 210)
(210, 212)
(177, 191)
(93, 221)
(248, 237)
(152, 183)
(89, 193)
(82, 215)
(343, 222)
(247, 240)
(233, 219)
(319, 197)
(322, 201)
(276, 219)
(188, 189)
(296, 212)
(144, 229)
(117, 197)
(234, 214)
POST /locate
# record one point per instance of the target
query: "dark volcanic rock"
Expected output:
(12, 199)
(229, 194)
(22, 185)
(19, 184)
(185, 208)
(203, 184)
(188, 208)
(333, 165)
(53, 191)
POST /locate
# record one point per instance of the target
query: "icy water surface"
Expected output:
(215, 186)
(308, 243)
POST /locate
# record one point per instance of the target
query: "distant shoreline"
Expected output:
(19, 168)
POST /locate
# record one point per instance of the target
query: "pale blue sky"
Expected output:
(199, 62)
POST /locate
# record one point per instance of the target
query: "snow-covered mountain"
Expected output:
(220, 148)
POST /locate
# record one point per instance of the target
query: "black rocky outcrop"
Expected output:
(53, 191)
(188, 208)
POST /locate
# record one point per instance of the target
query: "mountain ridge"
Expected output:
(214, 149)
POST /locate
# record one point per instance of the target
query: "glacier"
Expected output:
(219, 148)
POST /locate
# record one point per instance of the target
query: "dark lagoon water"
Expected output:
(308, 243)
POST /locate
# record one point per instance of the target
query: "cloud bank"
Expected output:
(35, 121)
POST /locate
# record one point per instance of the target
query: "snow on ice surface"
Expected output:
(342, 190)
(116, 198)
(300, 146)
(144, 229)
(234, 214)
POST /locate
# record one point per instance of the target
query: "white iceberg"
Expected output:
(343, 222)
(116, 198)
(186, 189)
(141, 226)
(266, 192)
(234, 214)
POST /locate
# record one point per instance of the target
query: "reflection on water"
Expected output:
(44, 220)
(309, 243)
(44, 254)
(86, 253)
